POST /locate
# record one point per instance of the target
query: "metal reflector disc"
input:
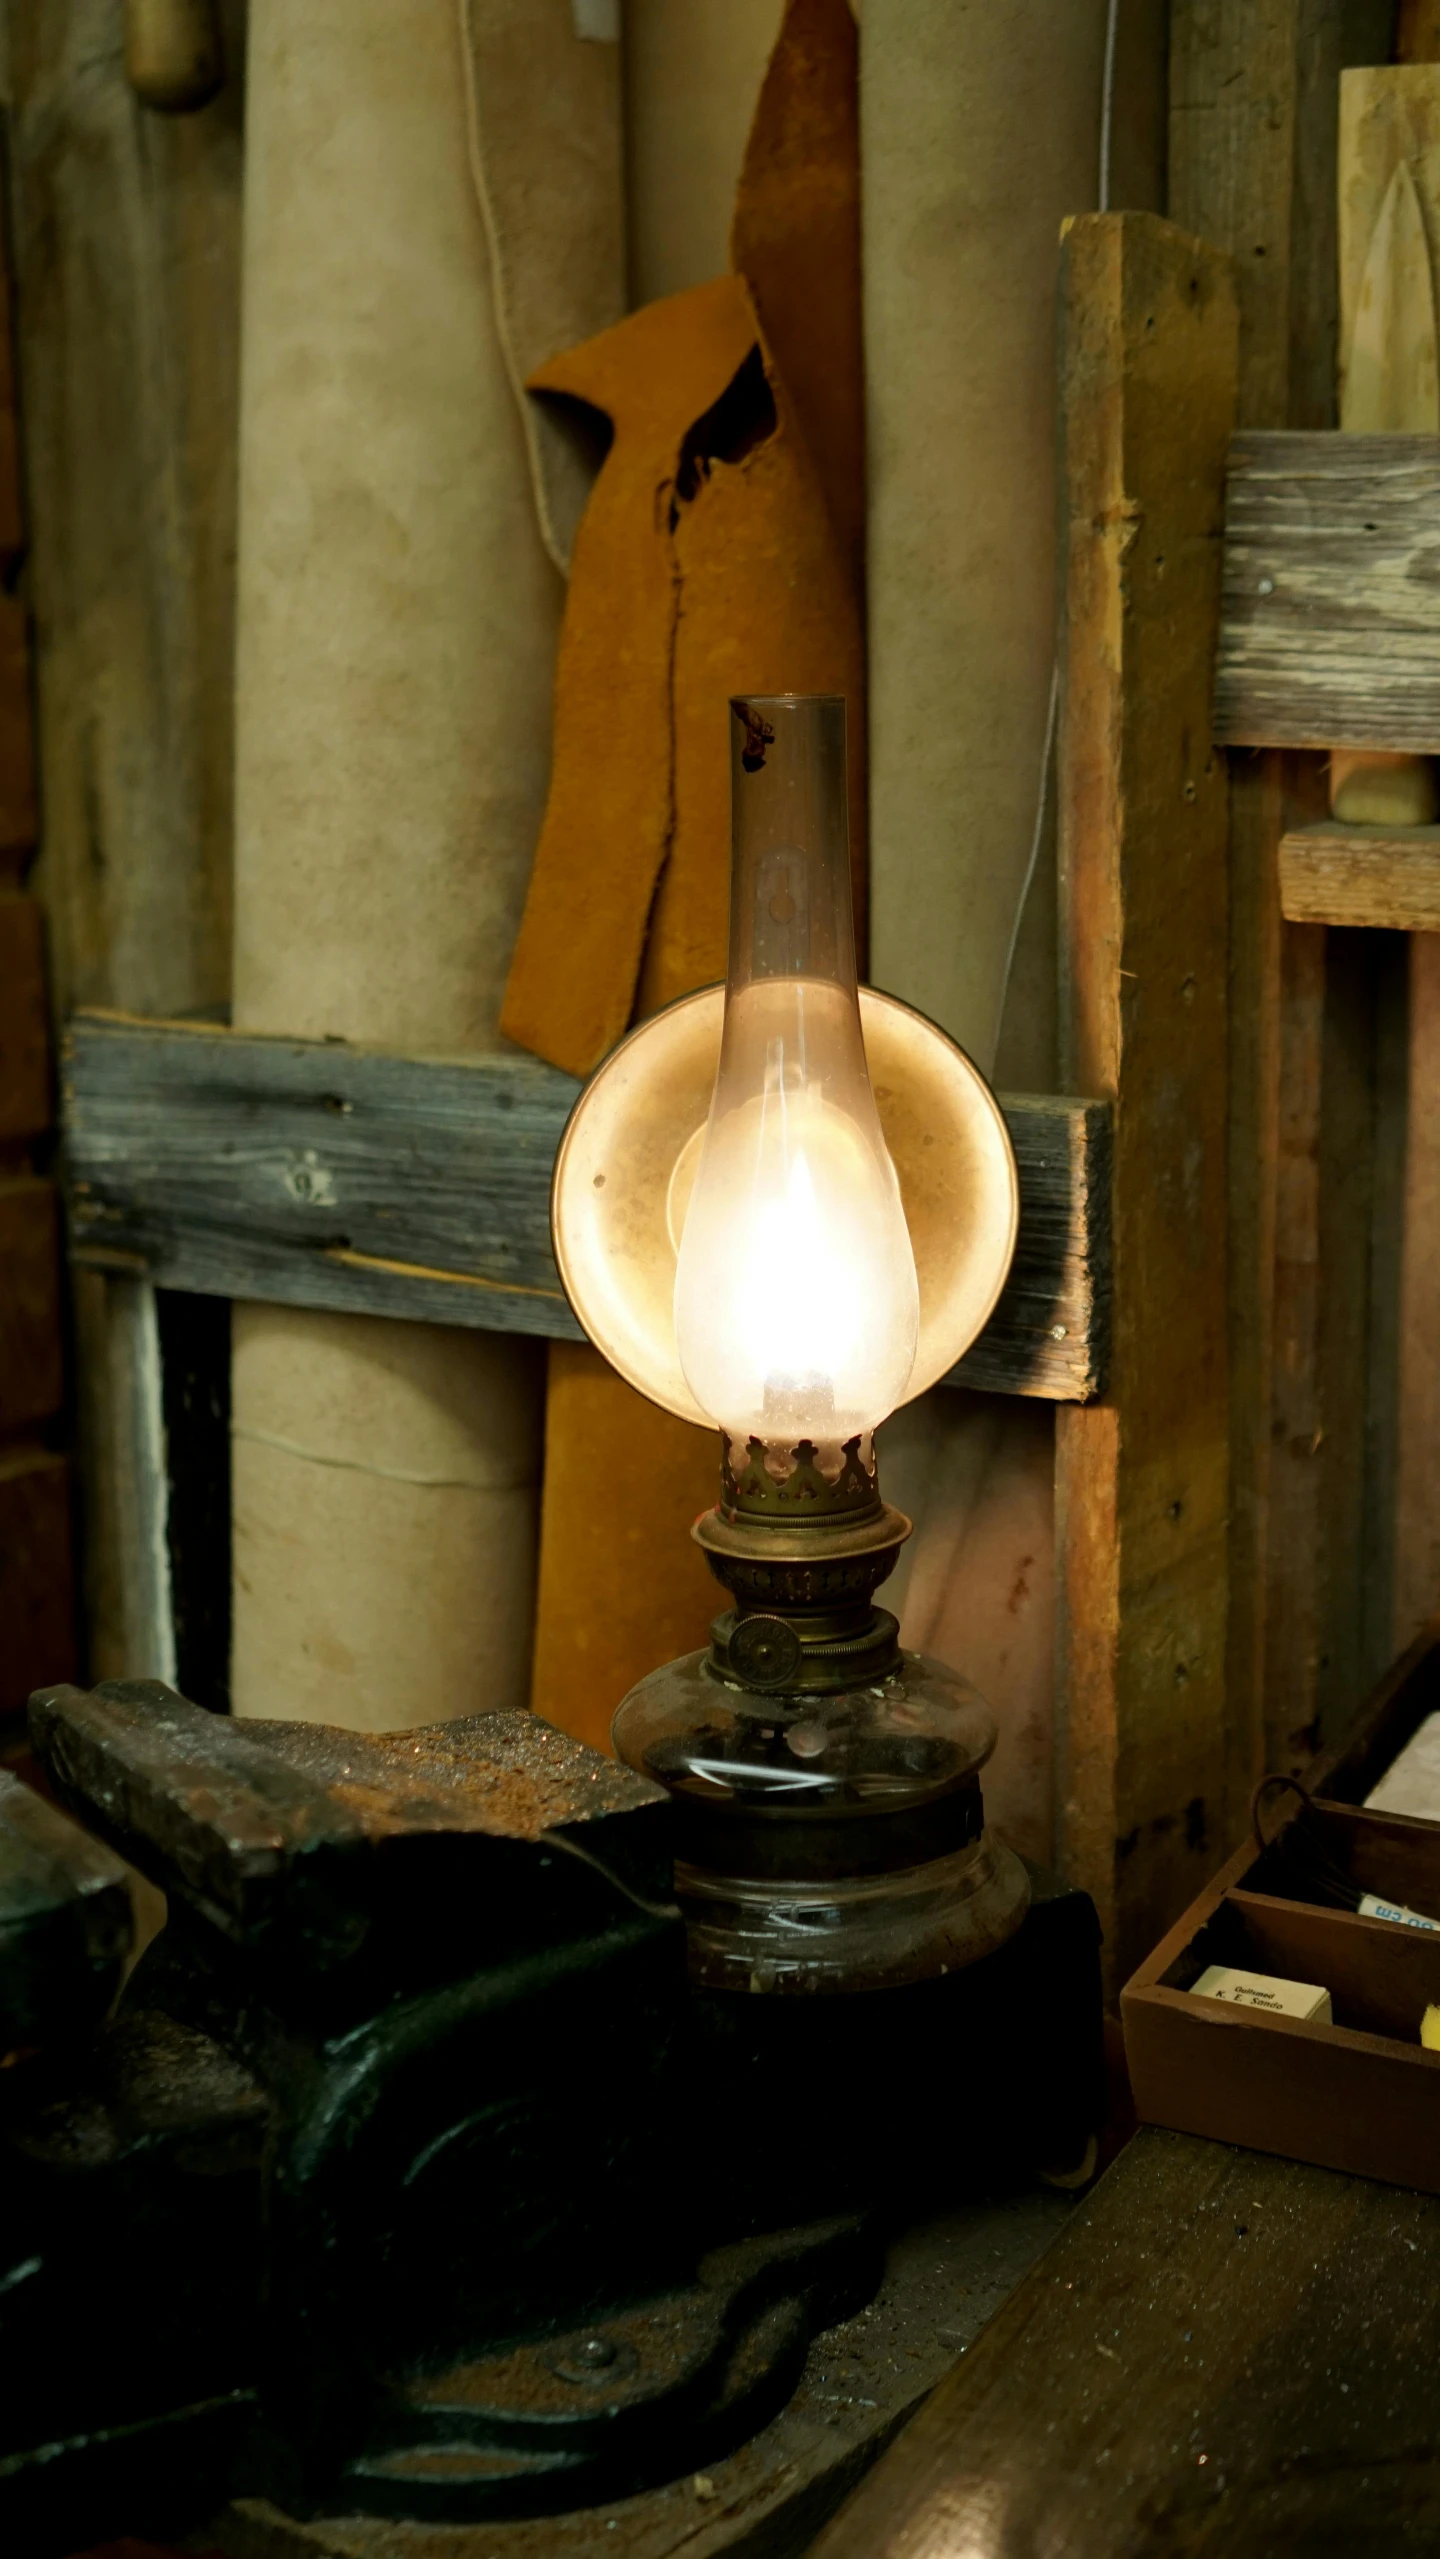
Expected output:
(617, 1191)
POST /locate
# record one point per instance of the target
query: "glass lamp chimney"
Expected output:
(796, 1305)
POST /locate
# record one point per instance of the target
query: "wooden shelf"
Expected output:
(1378, 875)
(313, 1173)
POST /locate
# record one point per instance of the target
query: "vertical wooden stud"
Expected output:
(1149, 338)
(1254, 110)
(1417, 1504)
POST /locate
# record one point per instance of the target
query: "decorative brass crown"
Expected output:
(803, 1495)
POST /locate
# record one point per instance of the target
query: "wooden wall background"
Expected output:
(125, 232)
(1313, 1046)
(36, 1583)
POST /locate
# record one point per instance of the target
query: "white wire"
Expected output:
(1046, 754)
(1107, 105)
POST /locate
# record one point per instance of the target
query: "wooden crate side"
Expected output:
(1149, 337)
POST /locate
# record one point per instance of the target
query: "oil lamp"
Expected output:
(783, 1208)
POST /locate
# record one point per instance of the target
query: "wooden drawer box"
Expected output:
(1361, 2094)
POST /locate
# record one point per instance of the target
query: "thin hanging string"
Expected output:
(1107, 106)
(1047, 752)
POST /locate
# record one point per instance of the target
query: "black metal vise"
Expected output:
(389, 2153)
(425, 2182)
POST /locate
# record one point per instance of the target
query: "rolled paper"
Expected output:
(397, 626)
(693, 70)
(980, 132)
(546, 141)
(385, 1481)
(174, 56)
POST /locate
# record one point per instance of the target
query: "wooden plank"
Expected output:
(1253, 152)
(313, 1173)
(1362, 875)
(1417, 34)
(1148, 343)
(25, 1106)
(1253, 123)
(37, 1631)
(124, 245)
(1223, 2353)
(1416, 1594)
(19, 817)
(1329, 632)
(32, 1377)
(125, 240)
(1290, 1637)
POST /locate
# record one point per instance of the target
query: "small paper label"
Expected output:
(1372, 1907)
(1304, 1999)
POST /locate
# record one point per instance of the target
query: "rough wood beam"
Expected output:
(1329, 634)
(312, 1173)
(1149, 335)
(1254, 127)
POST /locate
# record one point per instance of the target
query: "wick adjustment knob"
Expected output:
(764, 1652)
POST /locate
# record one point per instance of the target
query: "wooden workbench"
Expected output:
(1221, 2353)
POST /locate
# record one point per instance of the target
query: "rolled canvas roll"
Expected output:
(693, 70)
(980, 132)
(397, 623)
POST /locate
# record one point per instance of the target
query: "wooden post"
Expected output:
(1390, 151)
(37, 1635)
(125, 240)
(1149, 336)
(1254, 105)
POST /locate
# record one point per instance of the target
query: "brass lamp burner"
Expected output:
(802, 1553)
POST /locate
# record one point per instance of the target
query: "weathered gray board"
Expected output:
(313, 1173)
(1330, 615)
